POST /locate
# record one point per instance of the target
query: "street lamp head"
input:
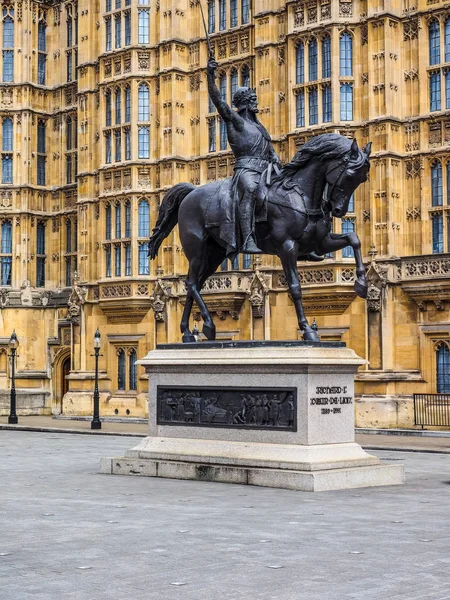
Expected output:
(13, 342)
(97, 340)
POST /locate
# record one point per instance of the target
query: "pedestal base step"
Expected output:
(308, 481)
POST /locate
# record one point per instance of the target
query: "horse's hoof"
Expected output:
(187, 338)
(360, 289)
(310, 336)
(209, 332)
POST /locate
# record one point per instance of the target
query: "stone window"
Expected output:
(327, 107)
(143, 142)
(126, 377)
(245, 11)
(42, 52)
(346, 102)
(108, 34)
(127, 24)
(313, 60)
(245, 76)
(70, 254)
(348, 225)
(143, 102)
(437, 226)
(313, 106)
(211, 16)
(40, 254)
(300, 63)
(143, 219)
(345, 55)
(222, 15)
(442, 368)
(8, 44)
(436, 184)
(143, 260)
(117, 30)
(435, 91)
(434, 35)
(6, 252)
(326, 57)
(233, 13)
(233, 82)
(144, 26)
(41, 153)
(212, 135)
(127, 104)
(7, 149)
(300, 109)
(108, 220)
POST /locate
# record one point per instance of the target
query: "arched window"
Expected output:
(7, 135)
(69, 31)
(42, 41)
(442, 369)
(144, 26)
(300, 63)
(211, 16)
(245, 9)
(127, 219)
(222, 14)
(132, 369)
(118, 233)
(127, 23)
(436, 184)
(447, 39)
(327, 106)
(8, 48)
(345, 55)
(233, 82)
(223, 87)
(434, 35)
(348, 225)
(121, 370)
(127, 104)
(326, 57)
(233, 13)
(313, 60)
(435, 91)
(143, 219)
(118, 107)
(6, 254)
(118, 30)
(246, 261)
(143, 102)
(108, 108)
(245, 76)
(108, 222)
(346, 102)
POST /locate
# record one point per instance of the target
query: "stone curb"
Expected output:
(403, 432)
(61, 430)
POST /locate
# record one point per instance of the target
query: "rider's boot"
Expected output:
(246, 218)
(312, 257)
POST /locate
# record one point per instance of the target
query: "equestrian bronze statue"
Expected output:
(294, 209)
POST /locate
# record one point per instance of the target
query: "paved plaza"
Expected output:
(69, 532)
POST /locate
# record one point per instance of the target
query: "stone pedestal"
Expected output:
(276, 414)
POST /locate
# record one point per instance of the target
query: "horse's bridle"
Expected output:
(345, 161)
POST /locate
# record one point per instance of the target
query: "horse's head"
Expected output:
(343, 175)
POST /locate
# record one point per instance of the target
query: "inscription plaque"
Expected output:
(230, 407)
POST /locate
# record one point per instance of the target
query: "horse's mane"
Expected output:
(326, 147)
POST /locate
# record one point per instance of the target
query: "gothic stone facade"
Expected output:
(104, 106)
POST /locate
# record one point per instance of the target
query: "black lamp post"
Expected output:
(96, 423)
(13, 345)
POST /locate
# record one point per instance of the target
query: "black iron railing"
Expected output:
(432, 409)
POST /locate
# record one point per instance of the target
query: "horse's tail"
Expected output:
(168, 216)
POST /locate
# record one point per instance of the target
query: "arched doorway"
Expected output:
(65, 367)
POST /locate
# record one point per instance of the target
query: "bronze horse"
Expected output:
(314, 186)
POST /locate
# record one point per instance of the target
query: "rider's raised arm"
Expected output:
(223, 109)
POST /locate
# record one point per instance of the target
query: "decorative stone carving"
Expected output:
(158, 300)
(374, 298)
(257, 293)
(76, 300)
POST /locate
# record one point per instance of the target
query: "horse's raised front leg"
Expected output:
(336, 241)
(288, 253)
(194, 284)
